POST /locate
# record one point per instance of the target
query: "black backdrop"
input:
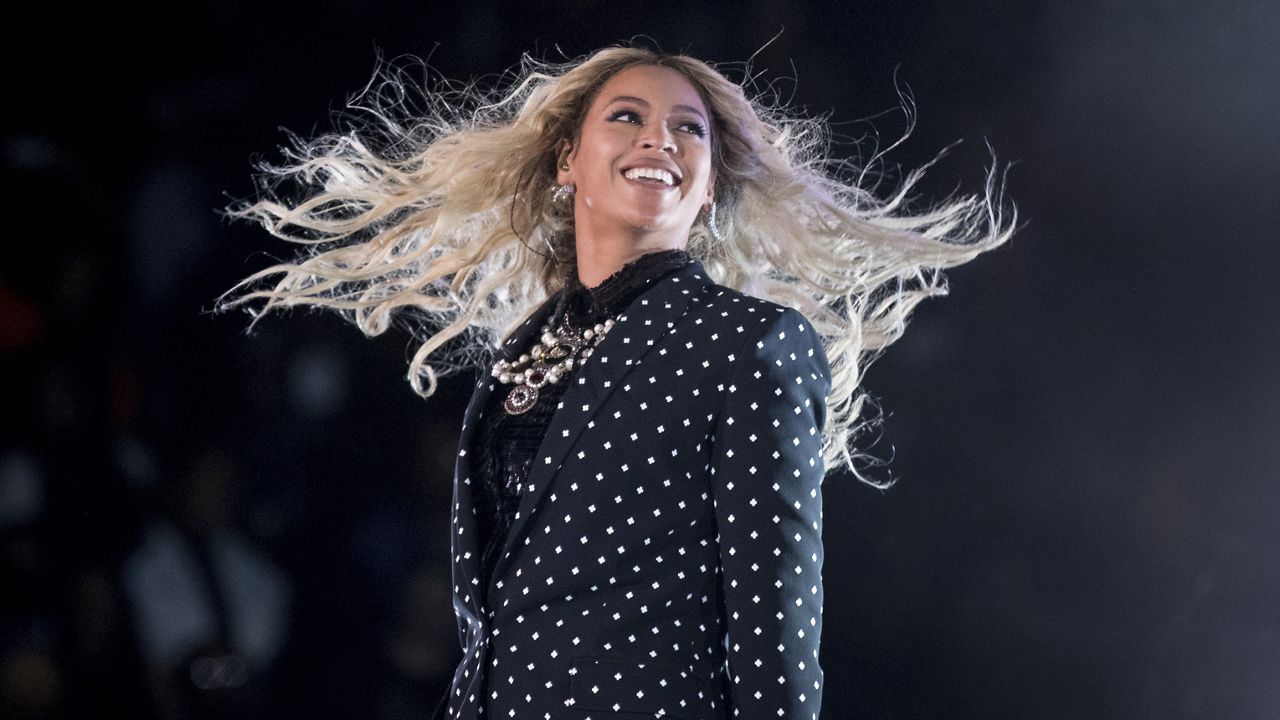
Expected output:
(1083, 433)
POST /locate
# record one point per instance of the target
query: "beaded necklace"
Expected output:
(558, 351)
(562, 346)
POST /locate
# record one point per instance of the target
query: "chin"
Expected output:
(642, 222)
(657, 222)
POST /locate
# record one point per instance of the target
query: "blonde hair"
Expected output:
(449, 214)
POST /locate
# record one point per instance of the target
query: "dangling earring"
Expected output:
(712, 227)
(562, 193)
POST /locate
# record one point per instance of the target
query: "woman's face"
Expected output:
(642, 160)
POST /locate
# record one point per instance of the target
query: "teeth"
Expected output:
(651, 173)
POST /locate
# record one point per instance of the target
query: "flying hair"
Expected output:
(431, 207)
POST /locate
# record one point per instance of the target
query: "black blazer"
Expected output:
(666, 557)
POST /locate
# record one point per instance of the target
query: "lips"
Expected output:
(657, 176)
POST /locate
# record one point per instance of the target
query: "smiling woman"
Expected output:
(641, 166)
(672, 302)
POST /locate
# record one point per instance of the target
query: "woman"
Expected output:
(637, 507)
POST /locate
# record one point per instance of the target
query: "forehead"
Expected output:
(654, 84)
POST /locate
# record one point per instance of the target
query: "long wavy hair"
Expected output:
(435, 210)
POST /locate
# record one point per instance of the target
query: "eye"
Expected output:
(693, 128)
(630, 116)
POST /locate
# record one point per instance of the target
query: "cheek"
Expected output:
(703, 172)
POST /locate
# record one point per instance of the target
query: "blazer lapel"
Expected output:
(511, 347)
(469, 547)
(645, 321)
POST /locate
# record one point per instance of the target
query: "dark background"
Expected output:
(1084, 433)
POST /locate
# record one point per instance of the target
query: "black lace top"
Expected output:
(507, 444)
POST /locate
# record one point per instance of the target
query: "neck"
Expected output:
(598, 260)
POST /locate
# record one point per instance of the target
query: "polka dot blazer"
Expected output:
(666, 557)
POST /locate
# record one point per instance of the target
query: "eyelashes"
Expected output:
(694, 128)
(690, 127)
(625, 116)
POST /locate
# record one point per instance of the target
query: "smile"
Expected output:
(651, 176)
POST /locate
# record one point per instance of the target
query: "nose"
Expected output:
(656, 135)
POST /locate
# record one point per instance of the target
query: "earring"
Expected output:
(710, 220)
(562, 193)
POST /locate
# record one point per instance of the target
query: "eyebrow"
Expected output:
(645, 103)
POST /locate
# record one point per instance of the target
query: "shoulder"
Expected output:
(730, 303)
(763, 332)
(758, 318)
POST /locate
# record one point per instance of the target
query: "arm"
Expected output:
(766, 478)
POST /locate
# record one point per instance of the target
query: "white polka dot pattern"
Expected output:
(666, 557)
(766, 481)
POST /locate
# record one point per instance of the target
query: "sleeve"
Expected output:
(766, 478)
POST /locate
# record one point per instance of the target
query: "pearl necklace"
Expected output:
(553, 358)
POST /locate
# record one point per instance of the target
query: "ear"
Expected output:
(564, 172)
(711, 190)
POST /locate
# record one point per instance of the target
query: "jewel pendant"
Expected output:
(520, 399)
